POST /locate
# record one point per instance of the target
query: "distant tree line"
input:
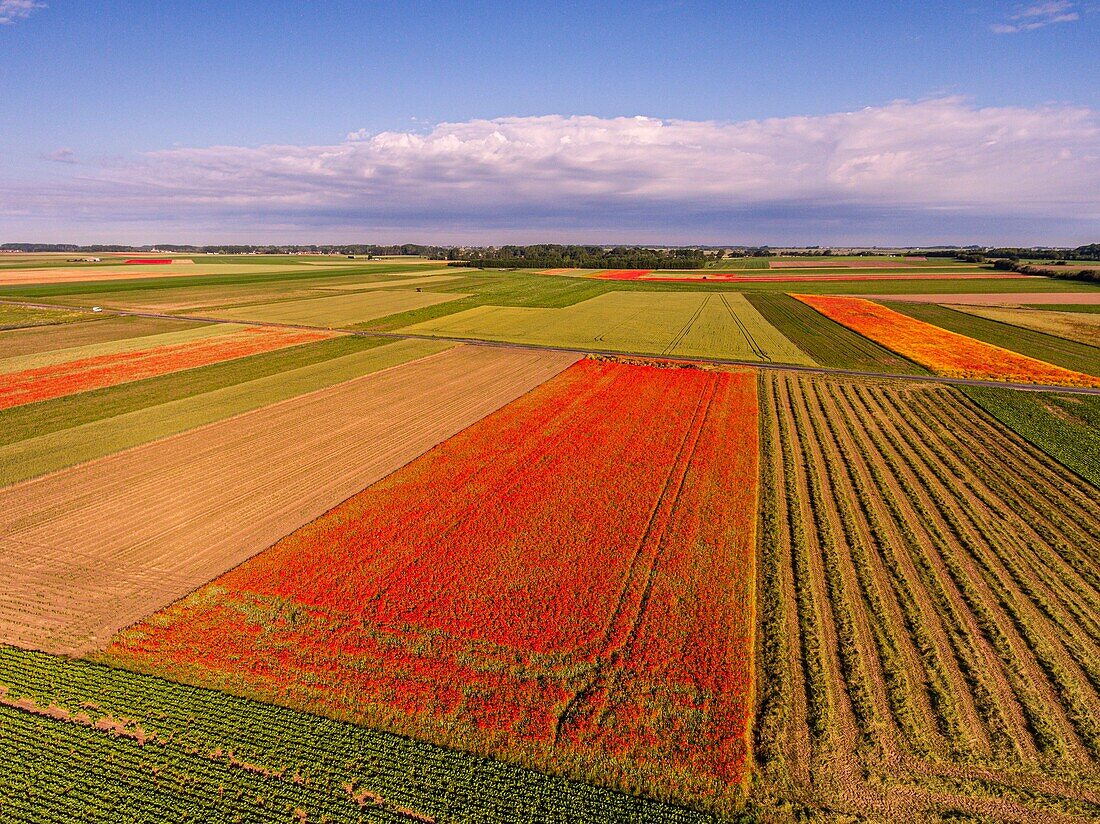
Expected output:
(553, 256)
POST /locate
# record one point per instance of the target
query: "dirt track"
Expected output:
(930, 608)
(88, 550)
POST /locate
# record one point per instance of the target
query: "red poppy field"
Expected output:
(596, 620)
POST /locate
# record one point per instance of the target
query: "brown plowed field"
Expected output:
(91, 549)
(930, 607)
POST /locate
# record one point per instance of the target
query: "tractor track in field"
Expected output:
(772, 366)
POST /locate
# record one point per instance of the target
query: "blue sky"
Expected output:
(138, 121)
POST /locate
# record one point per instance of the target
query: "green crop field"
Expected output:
(1066, 427)
(722, 325)
(134, 748)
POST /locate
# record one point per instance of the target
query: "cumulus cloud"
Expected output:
(908, 160)
(1038, 16)
(14, 10)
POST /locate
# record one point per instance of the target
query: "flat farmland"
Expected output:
(929, 600)
(92, 548)
(337, 310)
(718, 325)
(597, 622)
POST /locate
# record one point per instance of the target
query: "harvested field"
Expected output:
(392, 282)
(90, 549)
(714, 325)
(1087, 297)
(929, 601)
(944, 352)
(338, 310)
(597, 621)
(1076, 326)
(99, 330)
(58, 379)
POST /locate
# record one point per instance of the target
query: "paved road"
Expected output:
(777, 367)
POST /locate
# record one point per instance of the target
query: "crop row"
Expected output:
(928, 609)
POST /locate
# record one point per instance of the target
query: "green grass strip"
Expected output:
(215, 757)
(1068, 354)
(99, 329)
(826, 341)
(19, 317)
(1065, 427)
(65, 447)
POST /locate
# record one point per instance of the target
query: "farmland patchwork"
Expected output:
(597, 621)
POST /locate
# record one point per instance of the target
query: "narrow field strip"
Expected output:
(597, 621)
(92, 548)
(1082, 327)
(945, 352)
(338, 310)
(191, 405)
(35, 340)
(930, 610)
(57, 380)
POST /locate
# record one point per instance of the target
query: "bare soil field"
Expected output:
(81, 274)
(998, 298)
(90, 549)
(930, 593)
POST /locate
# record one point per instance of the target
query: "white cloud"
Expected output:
(14, 10)
(1038, 16)
(937, 157)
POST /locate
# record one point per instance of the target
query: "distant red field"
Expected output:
(725, 277)
(567, 584)
(623, 274)
(60, 379)
(145, 261)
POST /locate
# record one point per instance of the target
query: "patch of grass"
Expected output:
(1061, 352)
(19, 317)
(1065, 427)
(826, 341)
(338, 311)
